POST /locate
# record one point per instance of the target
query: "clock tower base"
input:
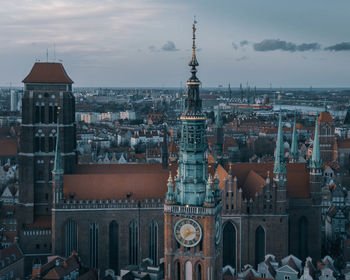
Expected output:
(184, 261)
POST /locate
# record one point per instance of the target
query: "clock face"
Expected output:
(188, 232)
(217, 230)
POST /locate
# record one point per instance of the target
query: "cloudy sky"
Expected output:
(147, 42)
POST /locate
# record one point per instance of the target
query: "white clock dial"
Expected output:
(188, 232)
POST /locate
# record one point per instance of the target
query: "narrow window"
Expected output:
(259, 245)
(93, 242)
(114, 246)
(133, 242)
(71, 230)
(153, 242)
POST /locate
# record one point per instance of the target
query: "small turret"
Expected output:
(217, 191)
(209, 197)
(170, 196)
(294, 151)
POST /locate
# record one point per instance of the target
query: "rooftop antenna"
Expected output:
(47, 55)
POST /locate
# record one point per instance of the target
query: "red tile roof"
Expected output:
(253, 183)
(147, 181)
(297, 177)
(8, 146)
(144, 181)
(325, 117)
(48, 72)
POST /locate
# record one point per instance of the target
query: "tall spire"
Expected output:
(192, 179)
(279, 167)
(193, 101)
(316, 161)
(58, 169)
(194, 61)
(294, 152)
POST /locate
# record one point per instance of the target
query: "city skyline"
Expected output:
(145, 43)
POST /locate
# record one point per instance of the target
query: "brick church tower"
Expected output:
(192, 221)
(48, 106)
(326, 134)
(47, 90)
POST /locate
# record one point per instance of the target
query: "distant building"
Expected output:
(14, 100)
(128, 115)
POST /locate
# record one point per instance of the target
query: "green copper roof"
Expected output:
(58, 158)
(294, 152)
(316, 161)
(279, 166)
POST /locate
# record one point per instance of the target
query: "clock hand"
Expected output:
(188, 232)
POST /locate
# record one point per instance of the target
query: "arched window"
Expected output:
(229, 245)
(177, 271)
(133, 242)
(199, 272)
(93, 245)
(188, 270)
(71, 237)
(303, 232)
(259, 245)
(153, 242)
(114, 246)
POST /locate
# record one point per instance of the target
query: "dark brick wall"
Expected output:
(104, 217)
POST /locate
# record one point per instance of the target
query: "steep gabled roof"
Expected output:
(297, 176)
(325, 117)
(48, 72)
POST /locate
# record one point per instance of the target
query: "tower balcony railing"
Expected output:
(191, 210)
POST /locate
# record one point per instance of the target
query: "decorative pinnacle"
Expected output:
(209, 197)
(170, 196)
(170, 179)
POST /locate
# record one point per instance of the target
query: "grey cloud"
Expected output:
(243, 43)
(308, 47)
(234, 46)
(344, 46)
(276, 44)
(169, 47)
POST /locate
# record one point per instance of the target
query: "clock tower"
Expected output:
(192, 226)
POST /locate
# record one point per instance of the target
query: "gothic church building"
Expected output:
(196, 216)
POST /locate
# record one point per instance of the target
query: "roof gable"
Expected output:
(287, 269)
